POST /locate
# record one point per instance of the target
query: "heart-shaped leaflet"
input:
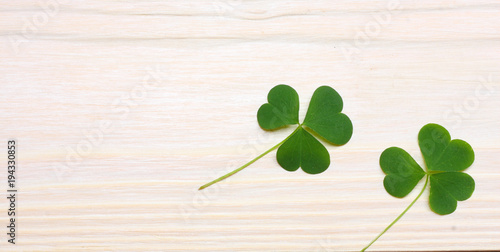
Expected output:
(305, 151)
(282, 108)
(403, 173)
(325, 118)
(441, 153)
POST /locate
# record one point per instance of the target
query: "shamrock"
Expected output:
(445, 159)
(302, 148)
(323, 117)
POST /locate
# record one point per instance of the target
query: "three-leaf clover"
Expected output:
(302, 148)
(445, 159)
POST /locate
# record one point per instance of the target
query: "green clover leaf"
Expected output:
(447, 188)
(445, 159)
(403, 173)
(302, 148)
(324, 117)
(441, 153)
(282, 108)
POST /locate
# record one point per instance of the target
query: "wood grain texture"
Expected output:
(122, 109)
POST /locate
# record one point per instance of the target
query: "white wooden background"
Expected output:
(122, 109)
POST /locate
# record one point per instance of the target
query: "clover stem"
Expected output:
(401, 215)
(249, 163)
